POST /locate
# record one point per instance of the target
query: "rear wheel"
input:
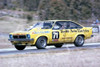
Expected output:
(58, 45)
(41, 43)
(19, 47)
(79, 41)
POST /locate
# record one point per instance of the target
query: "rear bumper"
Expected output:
(20, 39)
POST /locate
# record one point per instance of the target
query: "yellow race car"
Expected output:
(51, 32)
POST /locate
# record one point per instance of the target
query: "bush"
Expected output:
(29, 17)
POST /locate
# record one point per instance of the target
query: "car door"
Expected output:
(73, 30)
(58, 34)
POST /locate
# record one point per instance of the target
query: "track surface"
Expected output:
(28, 50)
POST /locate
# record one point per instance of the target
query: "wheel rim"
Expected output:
(80, 40)
(43, 43)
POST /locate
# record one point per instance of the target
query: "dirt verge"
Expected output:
(83, 58)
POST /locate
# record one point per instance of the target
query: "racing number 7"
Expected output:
(55, 35)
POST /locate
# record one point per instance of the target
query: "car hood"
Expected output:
(20, 33)
(34, 30)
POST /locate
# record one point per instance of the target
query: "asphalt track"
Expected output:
(49, 49)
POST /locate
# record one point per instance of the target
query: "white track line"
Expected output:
(33, 47)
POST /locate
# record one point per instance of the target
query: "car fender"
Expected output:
(41, 36)
(78, 35)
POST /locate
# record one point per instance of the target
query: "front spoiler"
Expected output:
(20, 39)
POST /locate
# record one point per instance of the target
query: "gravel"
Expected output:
(83, 58)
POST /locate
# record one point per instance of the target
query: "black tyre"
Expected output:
(58, 45)
(79, 41)
(20, 47)
(41, 43)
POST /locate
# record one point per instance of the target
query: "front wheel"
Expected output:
(19, 47)
(79, 41)
(41, 43)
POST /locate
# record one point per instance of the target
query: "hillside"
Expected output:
(57, 9)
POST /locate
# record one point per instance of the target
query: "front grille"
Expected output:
(19, 36)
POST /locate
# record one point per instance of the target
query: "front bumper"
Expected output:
(20, 39)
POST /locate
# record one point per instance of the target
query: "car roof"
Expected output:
(63, 20)
(58, 20)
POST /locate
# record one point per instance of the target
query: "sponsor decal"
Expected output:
(41, 32)
(64, 31)
(67, 38)
(78, 30)
(55, 40)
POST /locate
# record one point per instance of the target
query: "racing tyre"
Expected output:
(41, 43)
(20, 47)
(58, 45)
(79, 41)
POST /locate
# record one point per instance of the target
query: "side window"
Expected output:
(61, 25)
(74, 25)
(47, 25)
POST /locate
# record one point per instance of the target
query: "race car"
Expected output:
(51, 32)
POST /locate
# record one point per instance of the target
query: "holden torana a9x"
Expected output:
(51, 32)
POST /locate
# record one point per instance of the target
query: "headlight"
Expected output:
(10, 36)
(28, 36)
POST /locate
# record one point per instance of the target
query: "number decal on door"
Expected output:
(55, 35)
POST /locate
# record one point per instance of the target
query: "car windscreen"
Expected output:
(42, 25)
